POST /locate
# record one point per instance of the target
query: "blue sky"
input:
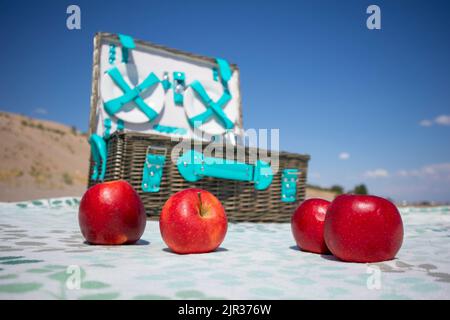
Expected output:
(354, 99)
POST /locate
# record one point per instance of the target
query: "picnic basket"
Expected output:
(253, 184)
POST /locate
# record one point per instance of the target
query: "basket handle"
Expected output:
(98, 149)
(193, 166)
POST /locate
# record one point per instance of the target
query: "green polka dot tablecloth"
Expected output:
(43, 256)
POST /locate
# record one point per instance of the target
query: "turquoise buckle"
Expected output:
(178, 87)
(289, 179)
(193, 166)
(153, 169)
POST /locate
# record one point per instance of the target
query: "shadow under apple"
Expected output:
(218, 250)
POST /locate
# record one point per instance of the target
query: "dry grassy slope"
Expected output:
(40, 159)
(318, 193)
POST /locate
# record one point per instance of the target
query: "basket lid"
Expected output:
(142, 87)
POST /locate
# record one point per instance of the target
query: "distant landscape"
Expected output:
(40, 159)
(43, 159)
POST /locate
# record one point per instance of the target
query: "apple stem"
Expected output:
(200, 206)
(200, 202)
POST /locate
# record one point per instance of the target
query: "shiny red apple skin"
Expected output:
(362, 228)
(185, 230)
(307, 225)
(111, 213)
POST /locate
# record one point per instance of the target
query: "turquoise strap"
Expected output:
(170, 130)
(120, 125)
(166, 85)
(215, 107)
(113, 106)
(107, 126)
(193, 166)
(99, 152)
(127, 42)
(124, 55)
(225, 70)
(201, 92)
(215, 74)
(203, 117)
(166, 82)
(211, 106)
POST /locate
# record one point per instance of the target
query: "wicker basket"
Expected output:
(127, 145)
(126, 158)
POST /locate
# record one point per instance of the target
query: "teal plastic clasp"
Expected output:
(193, 166)
(153, 169)
(166, 82)
(289, 179)
(99, 153)
(179, 85)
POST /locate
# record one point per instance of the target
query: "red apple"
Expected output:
(193, 221)
(363, 228)
(307, 225)
(111, 213)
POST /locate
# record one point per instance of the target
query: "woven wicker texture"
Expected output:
(126, 158)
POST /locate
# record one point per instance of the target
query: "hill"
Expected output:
(42, 159)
